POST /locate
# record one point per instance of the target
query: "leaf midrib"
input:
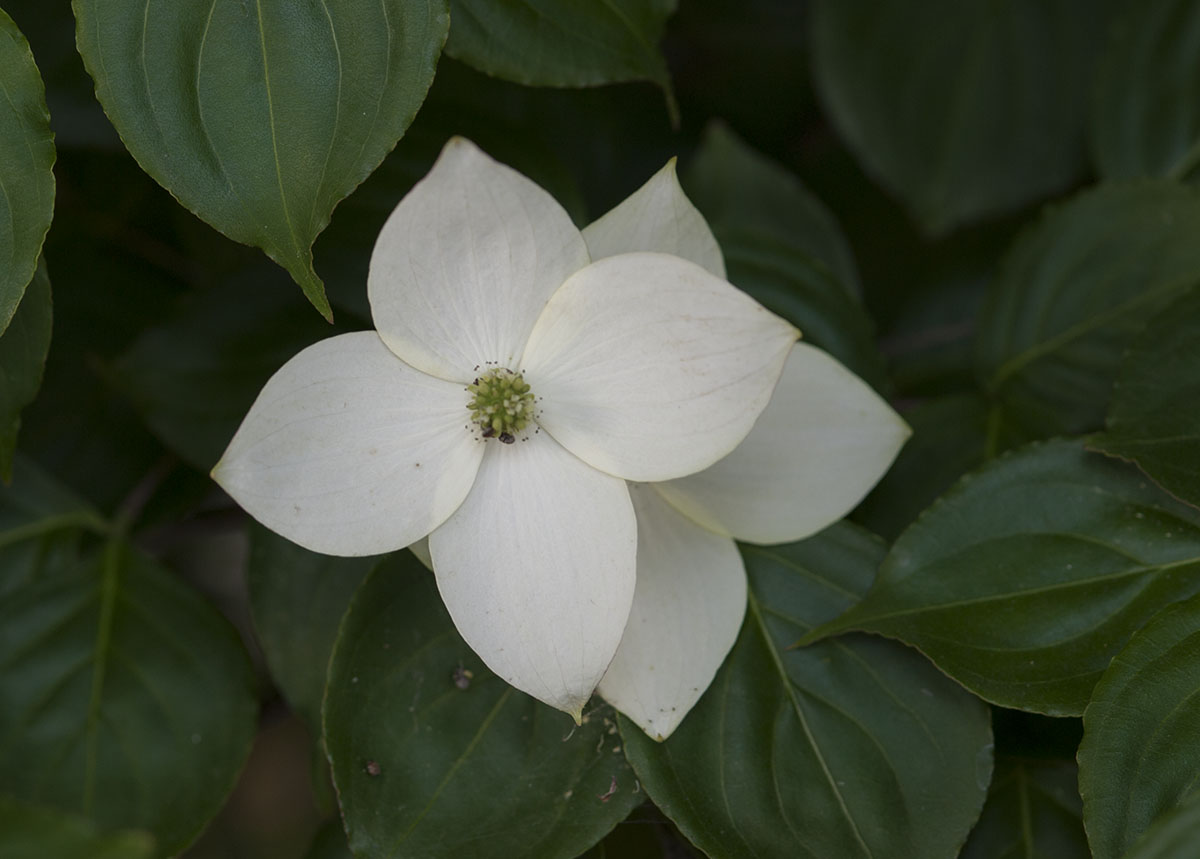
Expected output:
(755, 612)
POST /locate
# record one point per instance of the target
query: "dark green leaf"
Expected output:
(26, 168)
(1174, 835)
(1023, 580)
(329, 843)
(128, 699)
(23, 348)
(853, 748)
(783, 247)
(562, 42)
(298, 598)
(1140, 750)
(195, 375)
(1154, 418)
(963, 109)
(645, 834)
(951, 436)
(1032, 812)
(1146, 111)
(261, 117)
(31, 832)
(1073, 292)
(433, 755)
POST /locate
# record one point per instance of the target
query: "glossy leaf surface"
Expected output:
(561, 42)
(1140, 749)
(423, 737)
(1072, 293)
(1154, 418)
(260, 117)
(1173, 836)
(26, 174)
(129, 700)
(856, 747)
(1026, 578)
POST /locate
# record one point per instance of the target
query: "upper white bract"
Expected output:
(647, 367)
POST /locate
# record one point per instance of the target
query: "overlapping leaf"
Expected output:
(951, 436)
(26, 168)
(1145, 118)
(1074, 291)
(1154, 418)
(128, 699)
(260, 117)
(856, 747)
(963, 109)
(194, 376)
(298, 598)
(783, 247)
(1026, 578)
(434, 755)
(1140, 750)
(1032, 812)
(562, 42)
(23, 348)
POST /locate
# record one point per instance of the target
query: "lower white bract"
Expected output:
(585, 542)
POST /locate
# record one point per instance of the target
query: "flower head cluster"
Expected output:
(596, 554)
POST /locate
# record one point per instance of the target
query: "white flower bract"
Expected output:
(823, 441)
(642, 365)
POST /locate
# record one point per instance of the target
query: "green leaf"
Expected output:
(128, 698)
(962, 109)
(260, 117)
(298, 598)
(1140, 750)
(23, 348)
(853, 748)
(1023, 580)
(1145, 118)
(329, 843)
(26, 168)
(195, 375)
(31, 832)
(1073, 292)
(1173, 835)
(1154, 417)
(1032, 812)
(951, 436)
(433, 755)
(560, 43)
(783, 247)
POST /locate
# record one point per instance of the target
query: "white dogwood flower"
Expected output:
(823, 441)
(511, 389)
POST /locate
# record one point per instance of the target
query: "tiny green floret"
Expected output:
(501, 404)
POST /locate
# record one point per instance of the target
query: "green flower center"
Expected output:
(501, 404)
